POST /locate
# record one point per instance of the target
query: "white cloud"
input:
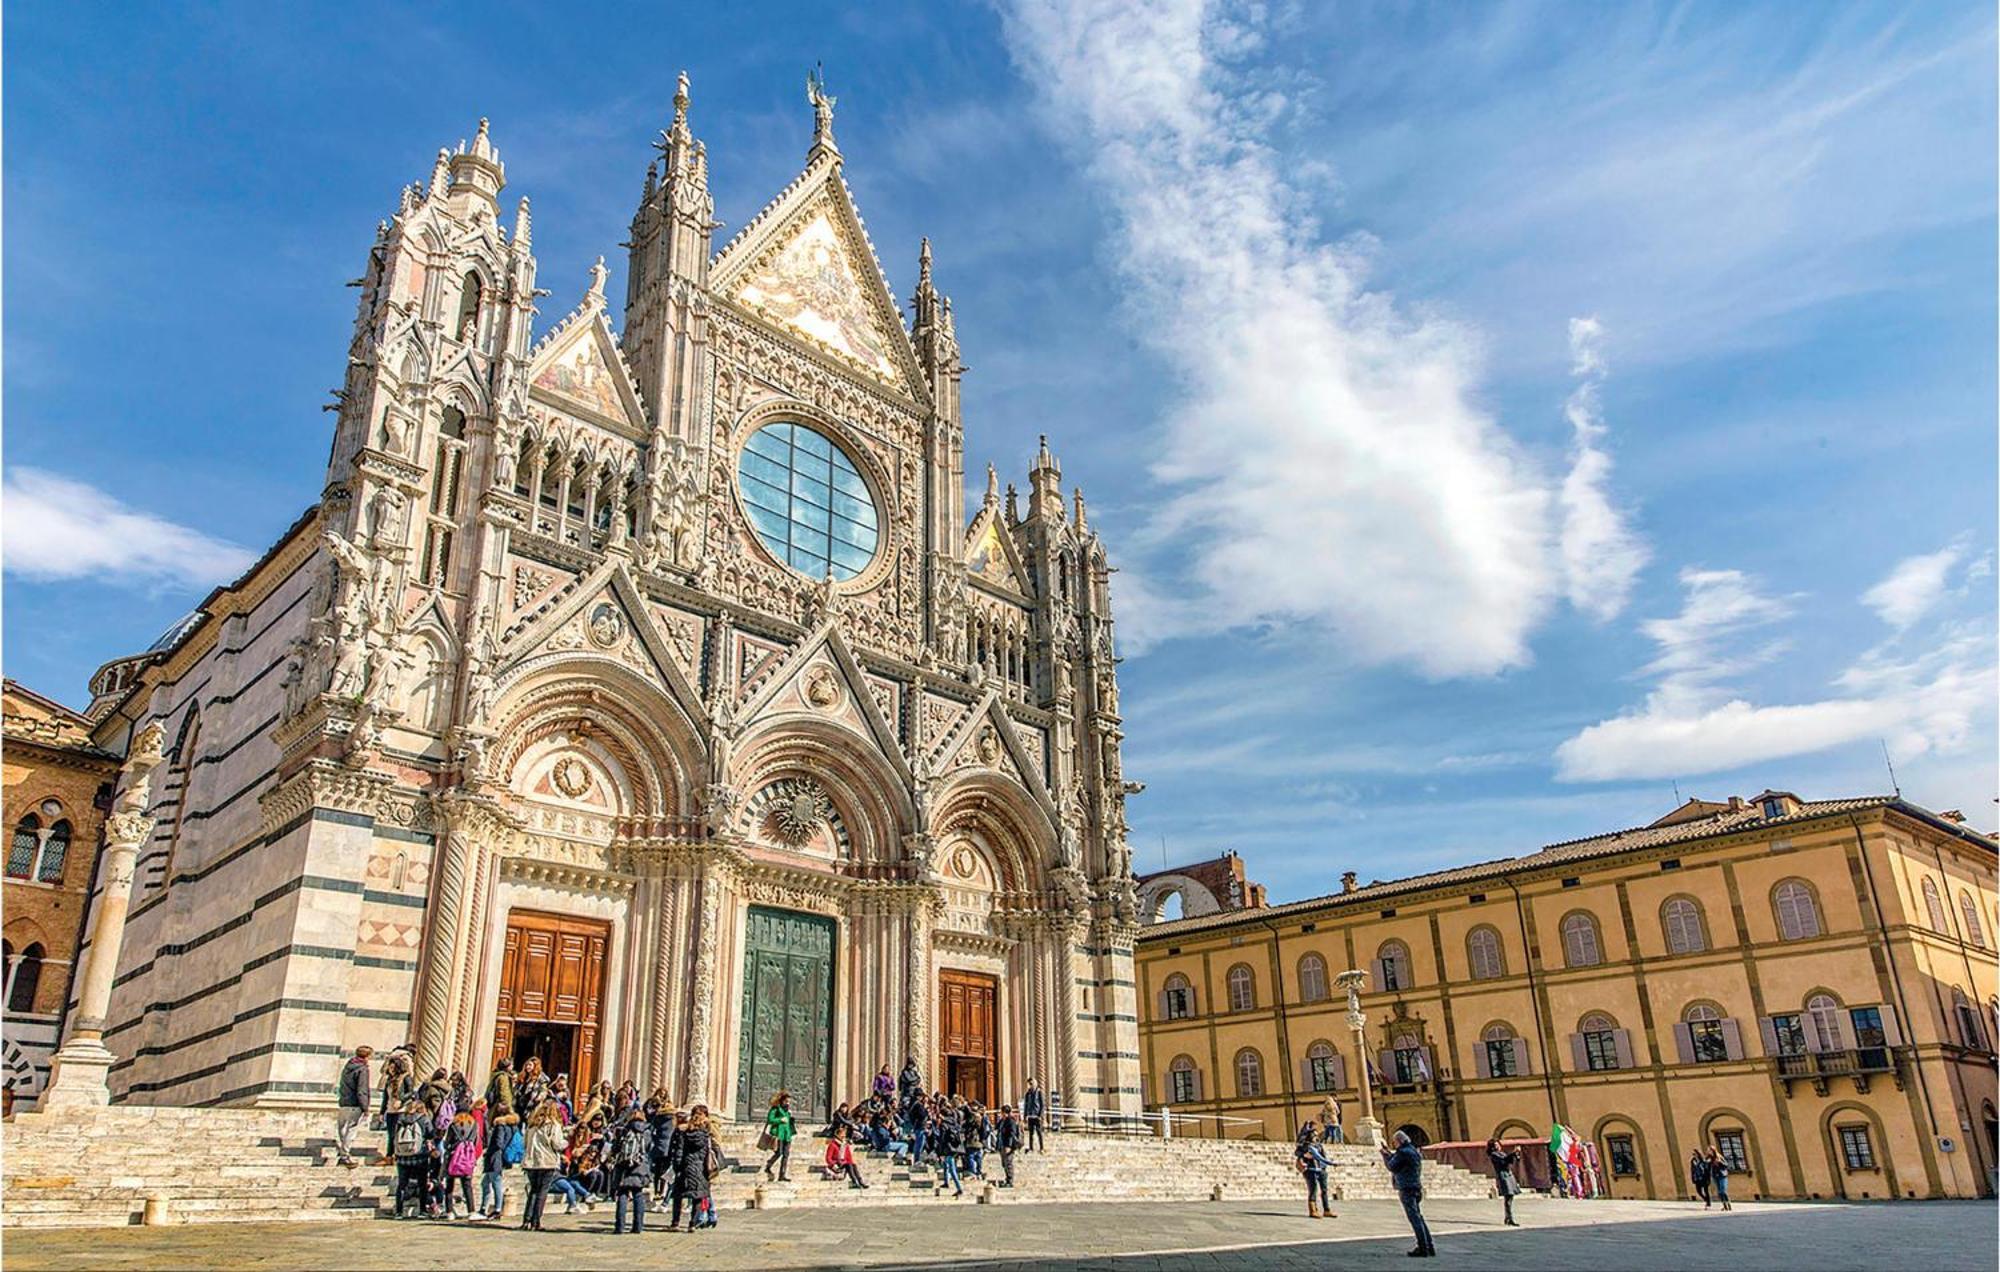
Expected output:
(57, 528)
(1913, 587)
(1326, 464)
(1691, 723)
(1600, 555)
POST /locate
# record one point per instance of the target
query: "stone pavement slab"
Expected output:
(1607, 1236)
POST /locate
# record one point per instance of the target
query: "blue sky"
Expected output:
(1499, 413)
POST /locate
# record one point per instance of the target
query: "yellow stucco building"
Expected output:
(1808, 986)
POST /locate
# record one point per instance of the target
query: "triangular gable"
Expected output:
(822, 676)
(605, 616)
(986, 737)
(804, 265)
(990, 554)
(578, 368)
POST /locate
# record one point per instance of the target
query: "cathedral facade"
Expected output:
(643, 700)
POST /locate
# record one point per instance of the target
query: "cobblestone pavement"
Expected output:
(1626, 1236)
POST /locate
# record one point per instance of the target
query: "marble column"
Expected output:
(1368, 1130)
(79, 1073)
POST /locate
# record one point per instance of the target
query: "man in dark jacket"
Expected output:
(1007, 1138)
(909, 1083)
(1406, 1167)
(352, 1103)
(1034, 1107)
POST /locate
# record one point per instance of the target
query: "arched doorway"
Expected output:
(1417, 1134)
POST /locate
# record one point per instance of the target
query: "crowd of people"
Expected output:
(611, 1144)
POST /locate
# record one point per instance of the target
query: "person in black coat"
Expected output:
(691, 1168)
(630, 1169)
(1504, 1161)
(1406, 1167)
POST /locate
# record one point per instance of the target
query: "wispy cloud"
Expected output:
(1914, 586)
(1600, 555)
(1326, 464)
(1924, 700)
(58, 528)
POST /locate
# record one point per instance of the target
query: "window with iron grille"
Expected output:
(1856, 1149)
(1624, 1158)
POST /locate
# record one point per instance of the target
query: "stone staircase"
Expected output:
(1078, 1167)
(100, 1167)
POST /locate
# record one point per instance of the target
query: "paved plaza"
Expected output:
(1934, 1237)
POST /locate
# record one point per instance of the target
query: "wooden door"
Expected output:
(552, 970)
(968, 1035)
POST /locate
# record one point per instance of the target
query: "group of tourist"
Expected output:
(611, 1144)
(606, 1144)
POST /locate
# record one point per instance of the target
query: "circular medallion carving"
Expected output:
(796, 814)
(571, 777)
(962, 863)
(989, 746)
(822, 688)
(606, 625)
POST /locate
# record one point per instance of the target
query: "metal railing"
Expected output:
(1836, 1064)
(1161, 1123)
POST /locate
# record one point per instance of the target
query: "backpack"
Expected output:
(410, 1137)
(446, 1112)
(633, 1143)
(516, 1147)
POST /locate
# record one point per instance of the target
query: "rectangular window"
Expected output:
(1624, 1161)
(1734, 1151)
(1709, 1045)
(1322, 1073)
(1600, 1050)
(1183, 1084)
(1791, 1035)
(1410, 1065)
(1871, 1044)
(1856, 1149)
(1180, 1004)
(1500, 1059)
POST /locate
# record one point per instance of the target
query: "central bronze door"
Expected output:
(787, 1033)
(967, 1036)
(551, 991)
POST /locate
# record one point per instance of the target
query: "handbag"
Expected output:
(766, 1142)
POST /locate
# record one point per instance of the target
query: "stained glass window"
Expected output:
(808, 502)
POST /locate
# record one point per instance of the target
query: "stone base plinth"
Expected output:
(79, 1076)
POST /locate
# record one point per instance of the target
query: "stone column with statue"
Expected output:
(1367, 1130)
(79, 1073)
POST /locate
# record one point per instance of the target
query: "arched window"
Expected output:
(1171, 907)
(1392, 965)
(467, 326)
(1312, 978)
(1502, 1052)
(1483, 954)
(26, 843)
(1322, 1067)
(55, 851)
(1177, 998)
(1242, 988)
(1249, 1072)
(24, 978)
(1580, 944)
(1798, 913)
(1183, 1080)
(1681, 917)
(1824, 1014)
(1600, 1042)
(1934, 906)
(1970, 909)
(1705, 1033)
